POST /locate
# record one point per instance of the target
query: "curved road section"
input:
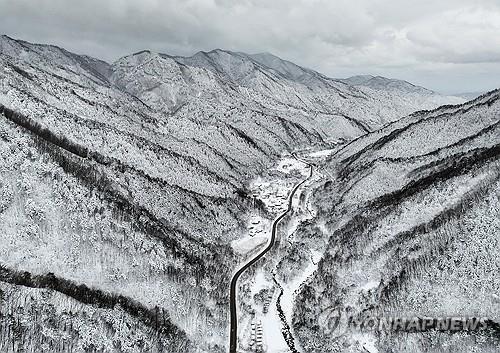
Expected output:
(233, 340)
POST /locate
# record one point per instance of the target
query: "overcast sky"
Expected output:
(445, 45)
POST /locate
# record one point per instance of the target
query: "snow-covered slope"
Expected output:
(123, 185)
(411, 213)
(102, 190)
(386, 84)
(408, 93)
(265, 82)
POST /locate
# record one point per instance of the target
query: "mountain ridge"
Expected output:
(380, 82)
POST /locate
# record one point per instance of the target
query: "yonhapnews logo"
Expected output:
(336, 321)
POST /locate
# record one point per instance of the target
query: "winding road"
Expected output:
(233, 335)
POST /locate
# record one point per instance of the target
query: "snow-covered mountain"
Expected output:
(123, 185)
(404, 91)
(387, 84)
(411, 214)
(266, 82)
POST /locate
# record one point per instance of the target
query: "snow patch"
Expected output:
(246, 245)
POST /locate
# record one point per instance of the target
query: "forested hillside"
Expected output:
(411, 213)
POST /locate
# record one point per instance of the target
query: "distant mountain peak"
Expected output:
(387, 84)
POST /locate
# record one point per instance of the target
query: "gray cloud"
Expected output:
(448, 45)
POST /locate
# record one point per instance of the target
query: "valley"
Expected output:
(227, 201)
(258, 295)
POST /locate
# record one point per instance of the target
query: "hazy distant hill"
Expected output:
(469, 95)
(387, 84)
